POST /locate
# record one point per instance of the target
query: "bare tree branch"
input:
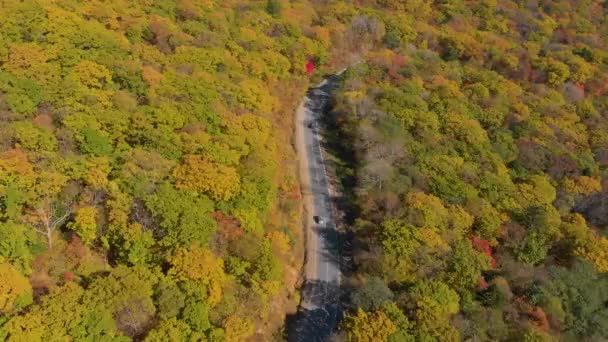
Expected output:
(49, 218)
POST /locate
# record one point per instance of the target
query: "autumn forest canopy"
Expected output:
(476, 168)
(145, 192)
(148, 187)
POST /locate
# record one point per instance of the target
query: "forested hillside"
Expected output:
(477, 133)
(146, 187)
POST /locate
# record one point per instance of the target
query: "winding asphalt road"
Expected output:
(319, 308)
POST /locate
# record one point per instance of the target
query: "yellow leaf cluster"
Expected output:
(368, 327)
(200, 264)
(91, 74)
(12, 286)
(426, 210)
(27, 59)
(98, 171)
(15, 168)
(595, 251)
(219, 181)
(537, 191)
(151, 75)
(431, 238)
(238, 329)
(582, 185)
(85, 224)
(280, 241)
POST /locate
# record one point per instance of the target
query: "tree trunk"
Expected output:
(49, 237)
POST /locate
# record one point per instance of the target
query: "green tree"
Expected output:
(128, 294)
(465, 267)
(402, 323)
(17, 245)
(435, 302)
(273, 7)
(183, 214)
(542, 223)
(95, 143)
(97, 324)
(372, 295)
(63, 315)
(266, 269)
(196, 314)
(170, 330)
(582, 293)
(23, 96)
(169, 299)
(33, 138)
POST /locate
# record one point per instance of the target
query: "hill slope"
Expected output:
(475, 138)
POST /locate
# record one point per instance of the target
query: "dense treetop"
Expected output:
(148, 190)
(480, 169)
(145, 189)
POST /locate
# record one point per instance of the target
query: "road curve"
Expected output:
(319, 308)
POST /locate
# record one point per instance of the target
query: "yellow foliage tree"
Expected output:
(15, 289)
(98, 170)
(280, 242)
(537, 191)
(92, 75)
(219, 181)
(368, 327)
(586, 243)
(582, 185)
(237, 329)
(426, 210)
(87, 81)
(580, 70)
(595, 250)
(200, 264)
(85, 224)
(253, 96)
(15, 168)
(29, 60)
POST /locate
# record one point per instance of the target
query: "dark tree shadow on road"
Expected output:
(318, 315)
(339, 248)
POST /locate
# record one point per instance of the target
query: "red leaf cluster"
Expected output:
(397, 64)
(68, 276)
(484, 247)
(535, 313)
(310, 67)
(229, 227)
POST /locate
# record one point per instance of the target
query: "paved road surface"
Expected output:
(319, 308)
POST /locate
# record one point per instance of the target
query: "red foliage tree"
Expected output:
(397, 64)
(229, 229)
(68, 276)
(310, 67)
(484, 247)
